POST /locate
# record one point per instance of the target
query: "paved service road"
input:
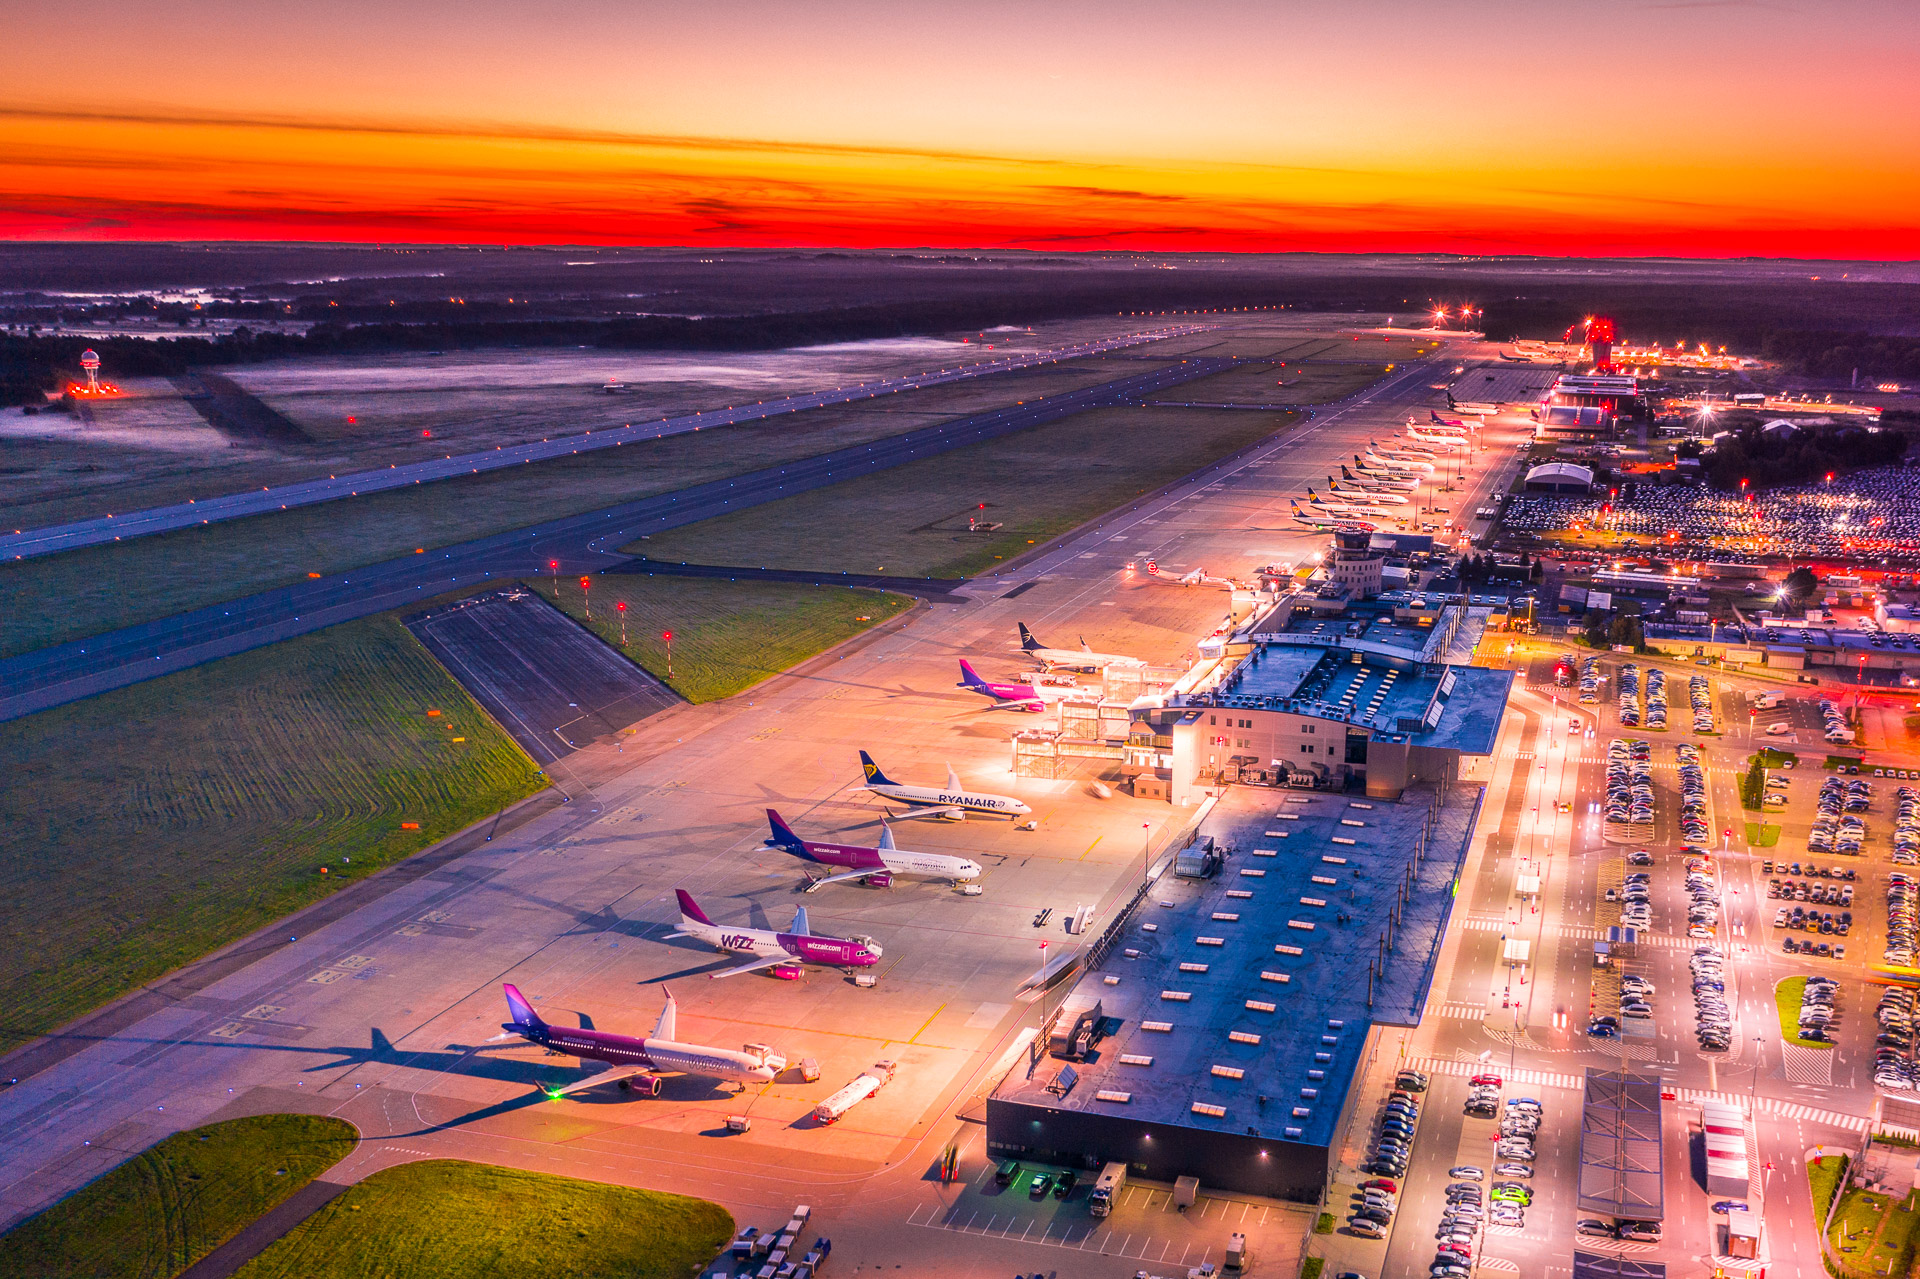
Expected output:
(589, 542)
(28, 543)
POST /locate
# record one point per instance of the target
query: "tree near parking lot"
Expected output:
(1801, 584)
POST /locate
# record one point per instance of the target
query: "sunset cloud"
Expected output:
(1246, 128)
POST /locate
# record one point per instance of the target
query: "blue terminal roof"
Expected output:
(1450, 707)
(1233, 944)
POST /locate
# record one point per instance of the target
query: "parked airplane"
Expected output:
(783, 952)
(1019, 697)
(876, 866)
(954, 802)
(632, 1062)
(1323, 522)
(1391, 469)
(1343, 511)
(1079, 659)
(1370, 480)
(1353, 491)
(1200, 577)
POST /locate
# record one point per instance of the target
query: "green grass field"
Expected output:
(101, 588)
(1276, 383)
(727, 636)
(166, 1208)
(912, 520)
(1874, 1234)
(144, 827)
(456, 1220)
(1786, 1000)
(1762, 835)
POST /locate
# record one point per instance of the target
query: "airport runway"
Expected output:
(28, 543)
(583, 543)
(375, 1014)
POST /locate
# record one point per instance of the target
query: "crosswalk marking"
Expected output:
(1540, 1078)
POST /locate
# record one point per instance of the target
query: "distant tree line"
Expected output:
(1817, 328)
(1766, 460)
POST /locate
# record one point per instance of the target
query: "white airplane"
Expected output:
(1399, 465)
(1343, 510)
(1379, 482)
(1387, 468)
(1376, 502)
(1364, 496)
(1079, 659)
(953, 803)
(1325, 522)
(1200, 577)
(1446, 437)
(783, 952)
(876, 866)
(631, 1062)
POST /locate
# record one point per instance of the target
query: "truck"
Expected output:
(1767, 701)
(1236, 1258)
(1185, 1191)
(869, 1082)
(1113, 1179)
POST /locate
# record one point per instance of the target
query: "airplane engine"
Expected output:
(645, 1085)
(879, 879)
(787, 972)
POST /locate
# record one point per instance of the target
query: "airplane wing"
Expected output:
(950, 810)
(612, 1074)
(755, 966)
(845, 875)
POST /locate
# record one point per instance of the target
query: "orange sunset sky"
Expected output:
(1688, 127)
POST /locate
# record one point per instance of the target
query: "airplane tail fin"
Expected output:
(784, 838)
(524, 1018)
(953, 780)
(1027, 641)
(663, 1029)
(1345, 474)
(874, 776)
(969, 678)
(690, 912)
(886, 836)
(1084, 646)
(800, 927)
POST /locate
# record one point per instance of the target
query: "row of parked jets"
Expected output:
(1386, 477)
(636, 1063)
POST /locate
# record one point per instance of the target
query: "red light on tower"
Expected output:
(668, 637)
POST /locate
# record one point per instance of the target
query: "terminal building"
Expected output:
(1218, 1025)
(1374, 694)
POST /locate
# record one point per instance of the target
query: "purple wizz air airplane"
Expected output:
(632, 1062)
(782, 952)
(1021, 697)
(875, 865)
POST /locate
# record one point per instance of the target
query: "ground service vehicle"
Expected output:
(1113, 1179)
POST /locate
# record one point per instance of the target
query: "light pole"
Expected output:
(555, 566)
(667, 636)
(586, 600)
(1146, 853)
(620, 607)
